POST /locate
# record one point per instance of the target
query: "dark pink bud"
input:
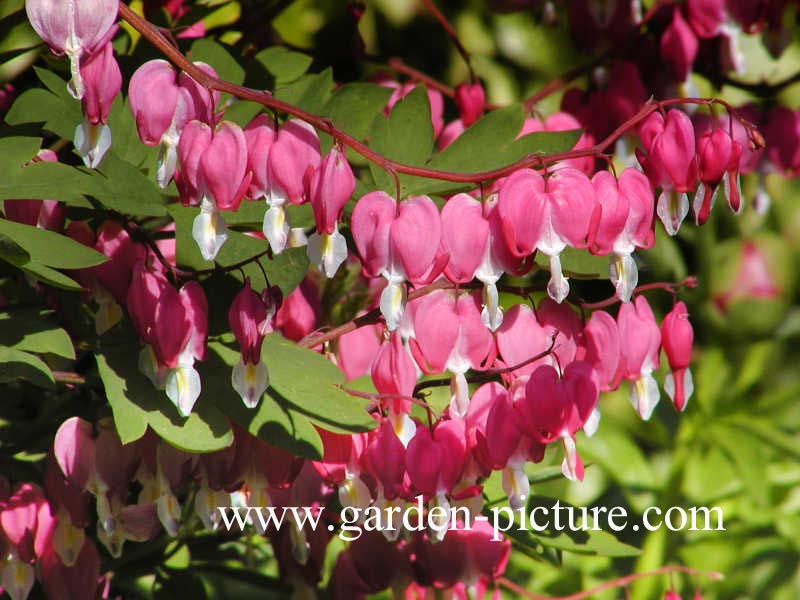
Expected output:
(679, 46)
(245, 317)
(677, 336)
(103, 81)
(279, 467)
(470, 100)
(195, 304)
(501, 436)
(331, 187)
(714, 149)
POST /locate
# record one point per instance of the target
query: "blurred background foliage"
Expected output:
(737, 446)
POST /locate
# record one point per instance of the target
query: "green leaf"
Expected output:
(491, 143)
(759, 358)
(286, 270)
(768, 432)
(250, 212)
(310, 384)
(405, 136)
(747, 453)
(48, 180)
(283, 65)
(485, 145)
(51, 277)
(310, 92)
(208, 51)
(50, 248)
(125, 142)
(123, 188)
(711, 379)
(242, 112)
(29, 330)
(237, 248)
(12, 253)
(613, 449)
(354, 107)
(59, 113)
(15, 151)
(16, 364)
(580, 264)
(135, 404)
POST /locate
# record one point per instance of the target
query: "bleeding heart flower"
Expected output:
(677, 336)
(248, 318)
(75, 28)
(556, 407)
(331, 187)
(623, 222)
(451, 336)
(640, 340)
(102, 82)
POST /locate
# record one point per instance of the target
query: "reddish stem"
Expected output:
(396, 64)
(689, 282)
(373, 316)
(325, 125)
